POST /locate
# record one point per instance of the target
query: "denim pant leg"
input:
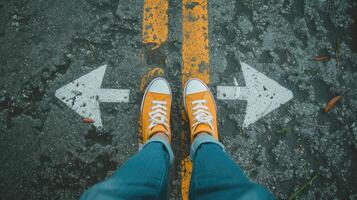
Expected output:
(216, 176)
(144, 176)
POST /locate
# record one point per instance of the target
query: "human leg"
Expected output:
(214, 175)
(144, 176)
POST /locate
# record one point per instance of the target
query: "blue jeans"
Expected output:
(145, 175)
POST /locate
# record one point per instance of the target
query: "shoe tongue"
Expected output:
(158, 128)
(202, 127)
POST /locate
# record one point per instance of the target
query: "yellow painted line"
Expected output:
(155, 22)
(150, 75)
(154, 32)
(195, 54)
(195, 49)
(186, 165)
(195, 59)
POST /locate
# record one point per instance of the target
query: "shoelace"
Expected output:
(201, 114)
(158, 114)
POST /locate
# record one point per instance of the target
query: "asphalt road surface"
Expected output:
(298, 55)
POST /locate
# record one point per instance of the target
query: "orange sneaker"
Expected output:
(201, 108)
(156, 109)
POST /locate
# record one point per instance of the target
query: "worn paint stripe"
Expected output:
(150, 75)
(155, 22)
(195, 49)
(195, 59)
(185, 177)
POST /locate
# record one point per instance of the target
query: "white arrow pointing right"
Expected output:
(262, 94)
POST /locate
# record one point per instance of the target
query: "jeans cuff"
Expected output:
(166, 144)
(202, 139)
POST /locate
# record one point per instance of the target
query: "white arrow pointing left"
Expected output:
(85, 93)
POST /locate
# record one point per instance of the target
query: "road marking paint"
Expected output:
(186, 166)
(186, 176)
(155, 22)
(195, 49)
(150, 75)
(262, 94)
(195, 59)
(84, 94)
(154, 33)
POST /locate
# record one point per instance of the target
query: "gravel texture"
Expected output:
(48, 153)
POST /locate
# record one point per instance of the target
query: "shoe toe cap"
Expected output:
(195, 86)
(160, 85)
